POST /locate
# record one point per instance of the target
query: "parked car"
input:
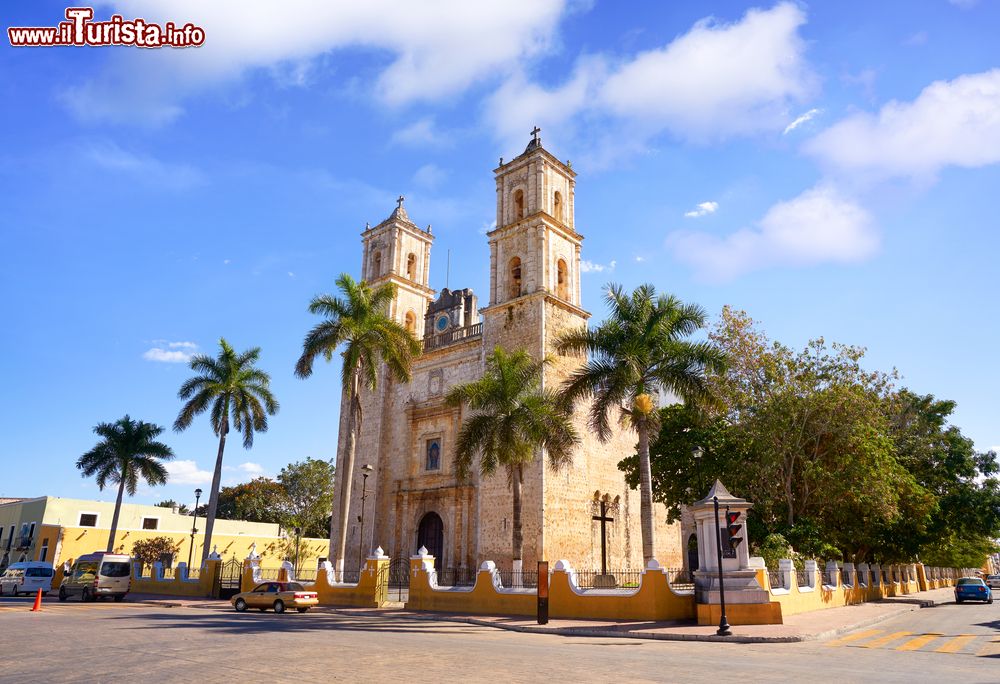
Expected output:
(27, 578)
(277, 596)
(972, 589)
(993, 581)
(98, 575)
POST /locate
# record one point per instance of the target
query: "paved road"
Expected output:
(967, 629)
(76, 642)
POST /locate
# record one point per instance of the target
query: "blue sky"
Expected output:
(831, 168)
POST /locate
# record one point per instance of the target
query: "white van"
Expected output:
(27, 578)
(97, 575)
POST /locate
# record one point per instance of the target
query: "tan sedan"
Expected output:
(276, 595)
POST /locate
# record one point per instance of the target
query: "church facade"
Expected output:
(413, 496)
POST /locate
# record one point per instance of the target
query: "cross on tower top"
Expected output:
(399, 201)
(534, 133)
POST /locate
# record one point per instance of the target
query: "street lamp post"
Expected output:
(696, 454)
(366, 470)
(194, 525)
(723, 622)
(298, 537)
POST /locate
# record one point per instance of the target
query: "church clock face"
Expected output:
(441, 323)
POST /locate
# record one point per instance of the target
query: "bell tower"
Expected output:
(534, 253)
(534, 298)
(535, 246)
(397, 251)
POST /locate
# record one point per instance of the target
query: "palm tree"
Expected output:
(637, 352)
(127, 451)
(358, 321)
(238, 393)
(514, 417)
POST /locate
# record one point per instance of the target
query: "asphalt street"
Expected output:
(75, 642)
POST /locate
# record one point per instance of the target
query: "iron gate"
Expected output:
(230, 577)
(398, 580)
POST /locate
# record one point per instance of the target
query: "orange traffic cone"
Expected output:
(38, 602)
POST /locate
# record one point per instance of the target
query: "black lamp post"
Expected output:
(194, 525)
(366, 470)
(696, 454)
(723, 622)
(298, 537)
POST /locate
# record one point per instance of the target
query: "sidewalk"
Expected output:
(175, 601)
(819, 624)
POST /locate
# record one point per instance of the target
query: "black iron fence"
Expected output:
(681, 579)
(613, 579)
(804, 578)
(306, 575)
(269, 573)
(456, 577)
(777, 579)
(517, 580)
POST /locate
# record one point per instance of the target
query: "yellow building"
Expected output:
(58, 530)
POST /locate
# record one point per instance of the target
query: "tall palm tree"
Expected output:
(514, 417)
(239, 394)
(358, 321)
(127, 451)
(639, 351)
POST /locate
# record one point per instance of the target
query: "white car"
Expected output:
(993, 581)
(27, 578)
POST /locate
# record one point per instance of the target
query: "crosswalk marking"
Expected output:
(854, 637)
(918, 642)
(928, 642)
(956, 644)
(991, 648)
(882, 641)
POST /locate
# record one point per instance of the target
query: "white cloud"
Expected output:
(716, 81)
(186, 473)
(109, 155)
(421, 133)
(170, 352)
(951, 123)
(818, 226)
(703, 209)
(640, 259)
(251, 468)
(167, 356)
(591, 267)
(808, 116)
(429, 176)
(429, 49)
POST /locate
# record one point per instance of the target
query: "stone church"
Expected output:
(412, 497)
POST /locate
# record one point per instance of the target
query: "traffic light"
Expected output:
(733, 527)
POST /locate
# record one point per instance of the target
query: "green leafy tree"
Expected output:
(513, 417)
(960, 529)
(638, 352)
(238, 394)
(308, 496)
(170, 503)
(677, 478)
(259, 500)
(151, 550)
(357, 322)
(127, 452)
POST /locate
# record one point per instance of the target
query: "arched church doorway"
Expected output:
(692, 553)
(430, 535)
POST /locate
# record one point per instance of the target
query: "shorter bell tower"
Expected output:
(398, 251)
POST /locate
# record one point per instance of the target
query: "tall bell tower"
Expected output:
(534, 298)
